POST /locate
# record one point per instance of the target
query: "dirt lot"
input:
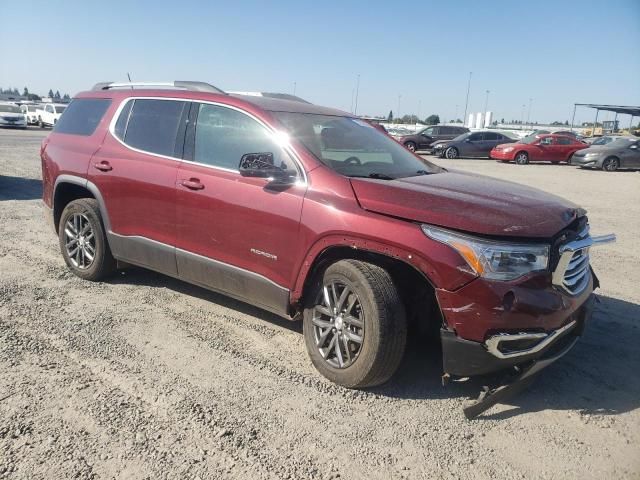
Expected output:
(148, 377)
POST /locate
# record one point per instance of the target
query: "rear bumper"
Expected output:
(467, 358)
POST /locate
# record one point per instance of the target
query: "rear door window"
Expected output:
(82, 116)
(491, 136)
(565, 141)
(153, 126)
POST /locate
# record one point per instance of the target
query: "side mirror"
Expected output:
(467, 140)
(634, 147)
(261, 165)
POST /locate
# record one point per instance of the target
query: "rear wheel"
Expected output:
(522, 158)
(83, 242)
(451, 153)
(610, 164)
(410, 146)
(355, 326)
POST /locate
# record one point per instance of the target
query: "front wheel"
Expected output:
(522, 158)
(451, 153)
(355, 327)
(83, 241)
(410, 146)
(610, 164)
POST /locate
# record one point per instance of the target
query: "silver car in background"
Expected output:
(12, 116)
(621, 152)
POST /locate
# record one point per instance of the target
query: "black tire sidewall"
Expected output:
(103, 263)
(357, 374)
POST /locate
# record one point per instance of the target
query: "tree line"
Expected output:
(32, 96)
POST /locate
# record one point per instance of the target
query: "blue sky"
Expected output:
(556, 52)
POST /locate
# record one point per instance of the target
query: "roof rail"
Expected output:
(180, 84)
(281, 96)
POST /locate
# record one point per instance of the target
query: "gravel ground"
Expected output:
(148, 377)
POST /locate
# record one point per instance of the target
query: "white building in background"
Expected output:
(487, 119)
(479, 120)
(471, 118)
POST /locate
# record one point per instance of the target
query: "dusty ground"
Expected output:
(148, 377)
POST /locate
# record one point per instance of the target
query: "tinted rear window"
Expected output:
(82, 116)
(153, 125)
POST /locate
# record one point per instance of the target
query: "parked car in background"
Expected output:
(12, 116)
(424, 138)
(594, 141)
(620, 152)
(49, 113)
(319, 217)
(471, 144)
(538, 148)
(30, 112)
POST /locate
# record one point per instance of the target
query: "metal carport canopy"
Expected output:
(625, 110)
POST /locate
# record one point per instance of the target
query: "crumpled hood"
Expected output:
(468, 202)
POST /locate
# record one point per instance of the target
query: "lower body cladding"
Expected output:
(497, 327)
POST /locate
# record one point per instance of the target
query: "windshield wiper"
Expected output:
(376, 175)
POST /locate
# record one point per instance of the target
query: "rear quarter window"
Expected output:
(82, 116)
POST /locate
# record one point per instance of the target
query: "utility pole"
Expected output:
(466, 103)
(522, 116)
(529, 113)
(486, 102)
(355, 111)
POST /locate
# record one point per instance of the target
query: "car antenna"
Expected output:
(129, 77)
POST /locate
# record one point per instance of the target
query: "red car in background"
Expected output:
(538, 148)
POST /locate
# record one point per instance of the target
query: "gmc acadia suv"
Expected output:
(313, 214)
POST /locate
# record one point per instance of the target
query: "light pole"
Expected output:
(455, 117)
(529, 113)
(399, 97)
(522, 116)
(355, 112)
(466, 103)
(486, 102)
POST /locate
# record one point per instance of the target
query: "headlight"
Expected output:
(491, 259)
(508, 149)
(592, 154)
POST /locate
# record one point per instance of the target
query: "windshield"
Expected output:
(461, 137)
(31, 108)
(621, 142)
(59, 109)
(529, 139)
(10, 109)
(602, 141)
(352, 147)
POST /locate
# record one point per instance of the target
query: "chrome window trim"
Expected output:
(289, 149)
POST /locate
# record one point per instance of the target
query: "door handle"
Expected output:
(192, 184)
(103, 166)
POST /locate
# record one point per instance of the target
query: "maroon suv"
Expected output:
(313, 214)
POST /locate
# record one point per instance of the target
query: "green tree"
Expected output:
(66, 97)
(50, 94)
(25, 92)
(57, 95)
(390, 116)
(432, 120)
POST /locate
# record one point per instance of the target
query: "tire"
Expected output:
(555, 162)
(410, 146)
(610, 164)
(522, 158)
(83, 215)
(451, 153)
(371, 310)
(40, 122)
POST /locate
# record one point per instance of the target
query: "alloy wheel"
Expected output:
(80, 241)
(338, 325)
(451, 153)
(522, 159)
(411, 146)
(610, 165)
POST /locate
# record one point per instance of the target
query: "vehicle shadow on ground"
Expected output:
(140, 276)
(19, 188)
(598, 376)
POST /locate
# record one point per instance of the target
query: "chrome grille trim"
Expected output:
(572, 274)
